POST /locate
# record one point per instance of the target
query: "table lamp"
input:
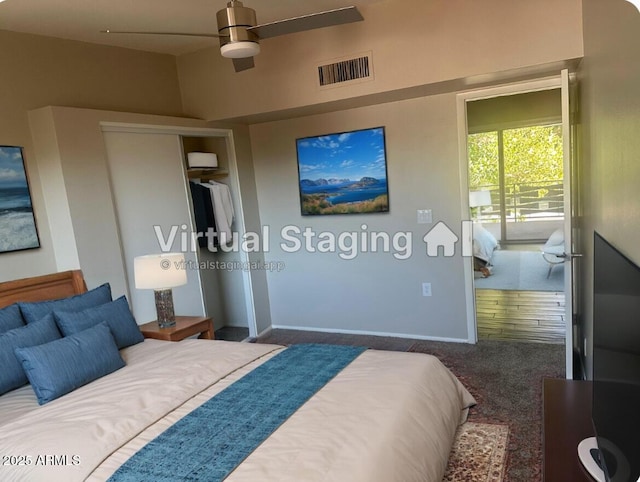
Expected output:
(479, 199)
(161, 272)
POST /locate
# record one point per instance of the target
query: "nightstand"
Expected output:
(186, 326)
(567, 420)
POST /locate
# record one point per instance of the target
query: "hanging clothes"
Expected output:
(223, 210)
(203, 212)
(225, 198)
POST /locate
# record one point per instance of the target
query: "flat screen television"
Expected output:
(616, 363)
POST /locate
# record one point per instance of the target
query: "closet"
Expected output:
(220, 270)
(150, 179)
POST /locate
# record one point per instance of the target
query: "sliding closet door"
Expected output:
(148, 185)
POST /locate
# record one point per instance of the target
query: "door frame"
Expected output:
(559, 81)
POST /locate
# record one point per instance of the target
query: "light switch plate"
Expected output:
(426, 289)
(424, 216)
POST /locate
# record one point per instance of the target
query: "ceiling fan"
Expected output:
(239, 33)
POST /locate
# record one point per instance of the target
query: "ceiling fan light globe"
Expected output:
(240, 50)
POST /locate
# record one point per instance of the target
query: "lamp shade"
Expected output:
(159, 271)
(479, 198)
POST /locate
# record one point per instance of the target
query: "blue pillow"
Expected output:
(34, 311)
(117, 314)
(12, 375)
(61, 366)
(10, 318)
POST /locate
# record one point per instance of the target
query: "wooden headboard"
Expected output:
(41, 288)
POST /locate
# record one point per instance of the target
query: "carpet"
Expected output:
(505, 378)
(231, 333)
(521, 270)
(478, 453)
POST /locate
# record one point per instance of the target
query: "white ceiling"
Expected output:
(83, 19)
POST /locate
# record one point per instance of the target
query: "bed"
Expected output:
(484, 245)
(387, 416)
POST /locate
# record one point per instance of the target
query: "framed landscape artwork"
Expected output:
(17, 222)
(343, 173)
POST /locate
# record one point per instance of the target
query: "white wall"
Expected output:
(72, 140)
(46, 71)
(63, 242)
(610, 150)
(439, 41)
(422, 51)
(374, 292)
(413, 43)
(75, 138)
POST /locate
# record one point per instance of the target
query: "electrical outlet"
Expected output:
(426, 289)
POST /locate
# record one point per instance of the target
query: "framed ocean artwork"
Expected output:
(343, 173)
(18, 229)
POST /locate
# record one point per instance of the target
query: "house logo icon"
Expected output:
(440, 235)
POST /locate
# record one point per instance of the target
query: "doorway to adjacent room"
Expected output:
(516, 195)
(517, 187)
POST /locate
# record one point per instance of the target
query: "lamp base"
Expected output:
(164, 308)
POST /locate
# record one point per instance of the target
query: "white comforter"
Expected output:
(484, 243)
(387, 416)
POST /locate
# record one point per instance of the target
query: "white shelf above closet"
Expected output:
(207, 174)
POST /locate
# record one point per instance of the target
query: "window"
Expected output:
(523, 169)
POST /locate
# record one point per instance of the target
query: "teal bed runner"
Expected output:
(212, 440)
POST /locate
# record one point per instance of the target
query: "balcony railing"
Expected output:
(535, 201)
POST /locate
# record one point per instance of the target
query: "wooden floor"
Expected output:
(533, 316)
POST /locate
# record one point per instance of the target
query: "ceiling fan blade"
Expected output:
(165, 33)
(308, 22)
(245, 63)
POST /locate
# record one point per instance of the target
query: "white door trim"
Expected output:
(567, 188)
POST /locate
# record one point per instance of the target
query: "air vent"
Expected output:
(346, 70)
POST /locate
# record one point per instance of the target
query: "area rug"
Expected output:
(478, 453)
(505, 378)
(522, 270)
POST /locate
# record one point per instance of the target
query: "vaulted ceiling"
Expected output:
(82, 20)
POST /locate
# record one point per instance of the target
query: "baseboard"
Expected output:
(365, 332)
